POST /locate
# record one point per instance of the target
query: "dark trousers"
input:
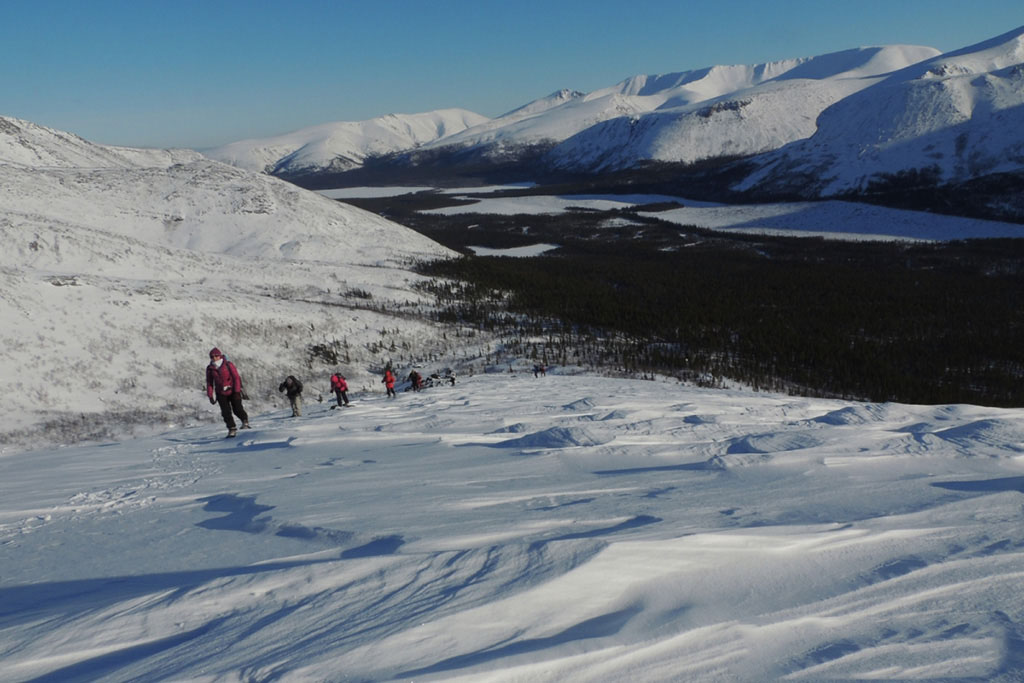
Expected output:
(342, 396)
(229, 404)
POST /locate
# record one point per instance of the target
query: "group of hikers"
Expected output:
(224, 387)
(292, 387)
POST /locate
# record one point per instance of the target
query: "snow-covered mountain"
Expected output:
(732, 111)
(686, 116)
(717, 111)
(121, 268)
(951, 118)
(343, 145)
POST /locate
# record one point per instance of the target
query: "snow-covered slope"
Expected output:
(957, 116)
(121, 268)
(565, 528)
(343, 145)
(27, 144)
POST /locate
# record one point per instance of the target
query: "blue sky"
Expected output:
(199, 73)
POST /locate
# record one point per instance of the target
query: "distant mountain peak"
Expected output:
(343, 145)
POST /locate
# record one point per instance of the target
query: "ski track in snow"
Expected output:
(512, 528)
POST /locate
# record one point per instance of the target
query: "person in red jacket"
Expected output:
(224, 386)
(340, 388)
(389, 382)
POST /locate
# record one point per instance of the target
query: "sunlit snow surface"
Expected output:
(513, 528)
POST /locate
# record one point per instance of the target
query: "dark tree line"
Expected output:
(937, 323)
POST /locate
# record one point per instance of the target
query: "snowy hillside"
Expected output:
(27, 144)
(343, 145)
(121, 269)
(954, 117)
(507, 528)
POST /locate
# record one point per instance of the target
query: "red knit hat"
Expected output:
(214, 352)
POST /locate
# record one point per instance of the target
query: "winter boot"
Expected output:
(245, 425)
(231, 432)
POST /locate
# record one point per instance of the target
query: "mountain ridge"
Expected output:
(342, 145)
(802, 128)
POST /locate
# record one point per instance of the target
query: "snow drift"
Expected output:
(699, 535)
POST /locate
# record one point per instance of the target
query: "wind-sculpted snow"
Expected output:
(554, 437)
(694, 535)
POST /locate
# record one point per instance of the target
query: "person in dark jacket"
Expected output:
(293, 390)
(415, 380)
(340, 388)
(224, 386)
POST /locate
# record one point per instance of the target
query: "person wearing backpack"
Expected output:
(340, 388)
(224, 386)
(415, 381)
(293, 390)
(389, 382)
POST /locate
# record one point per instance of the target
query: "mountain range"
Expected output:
(848, 122)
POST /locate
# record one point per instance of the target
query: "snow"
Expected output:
(958, 114)
(510, 528)
(516, 252)
(664, 117)
(343, 145)
(831, 219)
(122, 268)
(546, 204)
(506, 528)
(685, 116)
(840, 220)
(372, 192)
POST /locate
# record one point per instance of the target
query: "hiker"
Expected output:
(340, 388)
(224, 386)
(415, 380)
(389, 382)
(293, 389)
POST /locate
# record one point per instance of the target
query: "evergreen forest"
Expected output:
(879, 321)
